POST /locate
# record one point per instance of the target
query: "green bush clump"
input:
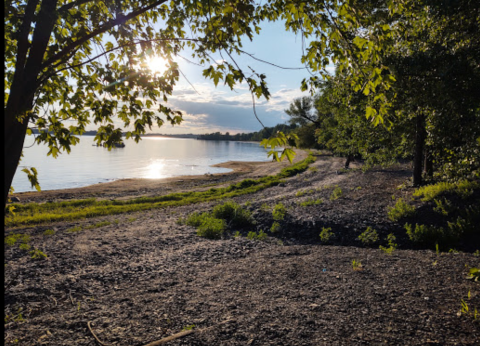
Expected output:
(311, 201)
(279, 212)
(400, 210)
(211, 228)
(326, 234)
(463, 188)
(430, 236)
(369, 237)
(233, 213)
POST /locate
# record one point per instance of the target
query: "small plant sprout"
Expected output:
(38, 254)
(326, 234)
(357, 265)
(189, 327)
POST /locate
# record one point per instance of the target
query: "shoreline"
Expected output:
(136, 187)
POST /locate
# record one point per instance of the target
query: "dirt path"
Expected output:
(144, 277)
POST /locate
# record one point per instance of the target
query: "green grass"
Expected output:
(311, 201)
(336, 193)
(34, 214)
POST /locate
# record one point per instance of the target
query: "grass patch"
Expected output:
(98, 225)
(33, 213)
(311, 201)
(336, 193)
(463, 188)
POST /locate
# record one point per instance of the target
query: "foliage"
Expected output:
(326, 234)
(279, 212)
(311, 201)
(275, 227)
(462, 188)
(369, 236)
(336, 193)
(262, 236)
(233, 214)
(400, 210)
(211, 228)
(431, 236)
(474, 274)
(38, 254)
(11, 239)
(391, 244)
(357, 265)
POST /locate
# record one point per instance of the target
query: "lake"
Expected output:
(151, 158)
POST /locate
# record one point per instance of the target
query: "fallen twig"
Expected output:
(91, 331)
(185, 333)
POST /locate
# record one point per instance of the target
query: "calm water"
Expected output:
(151, 158)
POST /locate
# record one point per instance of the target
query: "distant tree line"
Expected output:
(253, 136)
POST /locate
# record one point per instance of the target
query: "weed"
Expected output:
(357, 265)
(132, 219)
(336, 193)
(391, 244)
(49, 232)
(326, 234)
(190, 327)
(466, 309)
(13, 238)
(237, 234)
(211, 228)
(74, 229)
(38, 254)
(474, 274)
(280, 242)
(369, 237)
(453, 251)
(311, 201)
(264, 207)
(400, 210)
(260, 236)
(275, 227)
(279, 212)
(25, 247)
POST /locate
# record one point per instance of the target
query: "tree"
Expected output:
(300, 111)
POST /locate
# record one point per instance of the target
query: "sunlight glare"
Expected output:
(155, 169)
(157, 64)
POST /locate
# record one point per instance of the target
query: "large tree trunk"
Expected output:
(420, 137)
(15, 132)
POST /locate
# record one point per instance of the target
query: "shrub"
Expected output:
(13, 238)
(233, 213)
(430, 235)
(279, 212)
(369, 237)
(311, 201)
(211, 228)
(326, 234)
(336, 193)
(463, 188)
(400, 210)
(275, 227)
(196, 219)
(260, 236)
(38, 254)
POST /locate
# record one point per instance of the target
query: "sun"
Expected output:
(157, 64)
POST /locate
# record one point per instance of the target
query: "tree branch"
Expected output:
(101, 30)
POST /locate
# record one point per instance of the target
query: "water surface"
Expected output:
(151, 158)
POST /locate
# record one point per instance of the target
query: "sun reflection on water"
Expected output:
(156, 170)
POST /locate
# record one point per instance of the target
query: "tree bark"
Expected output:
(428, 165)
(420, 137)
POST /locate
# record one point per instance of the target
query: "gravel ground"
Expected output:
(144, 277)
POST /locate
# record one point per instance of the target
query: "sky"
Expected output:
(208, 109)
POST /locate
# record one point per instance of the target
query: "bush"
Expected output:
(196, 219)
(400, 210)
(211, 228)
(430, 235)
(463, 188)
(279, 212)
(254, 236)
(369, 237)
(275, 227)
(391, 244)
(233, 213)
